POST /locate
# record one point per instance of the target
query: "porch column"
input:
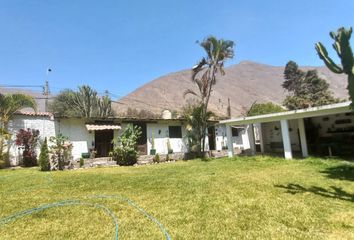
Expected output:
(286, 139)
(302, 133)
(230, 148)
(260, 132)
(251, 139)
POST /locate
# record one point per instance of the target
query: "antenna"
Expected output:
(46, 90)
(228, 108)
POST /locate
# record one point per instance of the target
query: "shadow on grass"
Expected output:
(342, 172)
(334, 192)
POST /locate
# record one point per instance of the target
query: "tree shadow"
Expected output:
(334, 192)
(342, 172)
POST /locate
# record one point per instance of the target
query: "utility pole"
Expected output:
(46, 90)
(228, 108)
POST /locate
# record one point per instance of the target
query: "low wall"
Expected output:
(149, 159)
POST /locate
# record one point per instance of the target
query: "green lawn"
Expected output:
(241, 198)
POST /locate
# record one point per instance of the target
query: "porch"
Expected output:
(326, 130)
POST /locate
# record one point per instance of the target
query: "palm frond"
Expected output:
(189, 91)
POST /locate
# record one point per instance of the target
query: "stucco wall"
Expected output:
(77, 133)
(241, 141)
(161, 135)
(45, 125)
(327, 124)
(271, 133)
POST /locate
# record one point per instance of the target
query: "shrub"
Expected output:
(82, 162)
(61, 152)
(28, 140)
(125, 152)
(157, 158)
(167, 158)
(2, 163)
(44, 163)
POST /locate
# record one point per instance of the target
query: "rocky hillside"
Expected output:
(243, 83)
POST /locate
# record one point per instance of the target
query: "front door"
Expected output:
(103, 142)
(211, 138)
(142, 141)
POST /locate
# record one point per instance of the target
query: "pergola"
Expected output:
(283, 117)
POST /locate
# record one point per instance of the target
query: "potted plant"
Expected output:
(169, 148)
(152, 150)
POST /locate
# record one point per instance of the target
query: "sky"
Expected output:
(120, 45)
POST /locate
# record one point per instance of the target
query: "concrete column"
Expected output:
(251, 139)
(302, 133)
(260, 132)
(230, 148)
(286, 139)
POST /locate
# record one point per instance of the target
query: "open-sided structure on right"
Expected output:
(326, 130)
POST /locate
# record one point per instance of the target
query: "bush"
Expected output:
(2, 163)
(82, 162)
(28, 140)
(60, 151)
(167, 158)
(125, 153)
(44, 163)
(157, 158)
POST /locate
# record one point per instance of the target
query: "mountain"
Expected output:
(243, 83)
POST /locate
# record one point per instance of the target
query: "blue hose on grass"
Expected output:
(17, 215)
(136, 206)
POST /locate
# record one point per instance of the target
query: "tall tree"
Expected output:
(193, 113)
(344, 51)
(264, 108)
(306, 88)
(205, 73)
(9, 105)
(83, 103)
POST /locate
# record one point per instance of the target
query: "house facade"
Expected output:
(97, 135)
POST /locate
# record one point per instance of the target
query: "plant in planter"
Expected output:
(153, 149)
(157, 158)
(82, 162)
(169, 148)
(93, 153)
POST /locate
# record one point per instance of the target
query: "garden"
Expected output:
(258, 197)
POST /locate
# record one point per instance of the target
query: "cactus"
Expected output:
(342, 46)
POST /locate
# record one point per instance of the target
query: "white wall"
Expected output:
(45, 125)
(161, 135)
(241, 141)
(327, 125)
(271, 132)
(75, 130)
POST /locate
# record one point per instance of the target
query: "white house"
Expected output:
(97, 134)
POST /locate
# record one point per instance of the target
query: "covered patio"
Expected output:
(287, 131)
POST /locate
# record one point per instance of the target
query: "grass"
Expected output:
(240, 198)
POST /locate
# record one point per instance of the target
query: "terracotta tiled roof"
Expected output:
(40, 114)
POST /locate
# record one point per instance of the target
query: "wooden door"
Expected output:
(103, 142)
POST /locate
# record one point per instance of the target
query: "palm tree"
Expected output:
(9, 105)
(205, 72)
(194, 125)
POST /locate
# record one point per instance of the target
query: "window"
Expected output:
(234, 132)
(175, 131)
